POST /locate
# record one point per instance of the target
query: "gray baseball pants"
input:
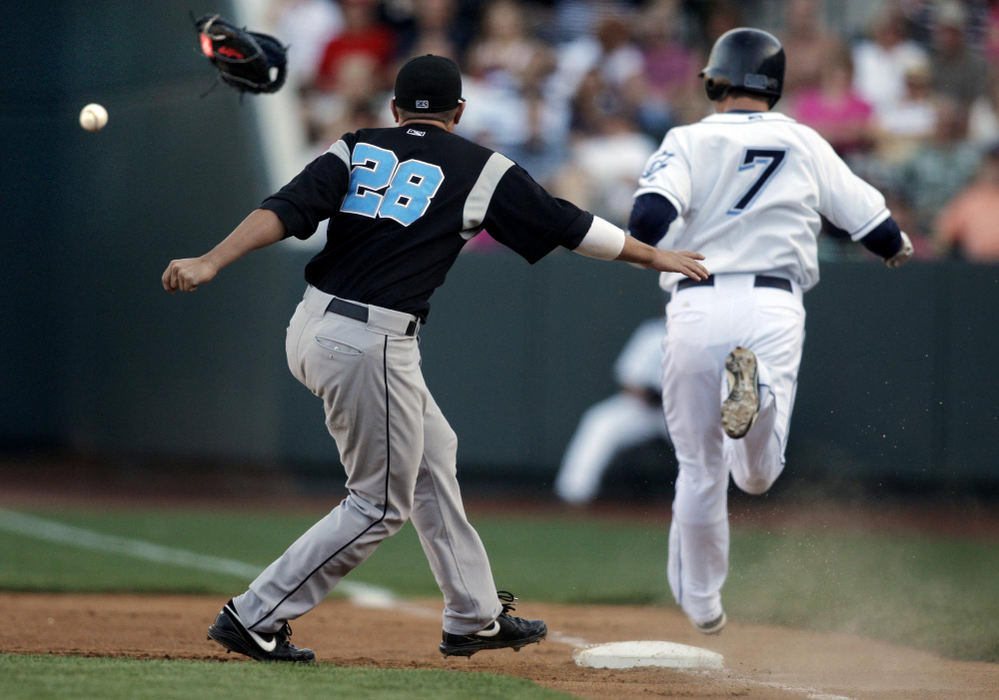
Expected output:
(399, 454)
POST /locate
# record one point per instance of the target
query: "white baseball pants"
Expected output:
(399, 454)
(606, 428)
(704, 324)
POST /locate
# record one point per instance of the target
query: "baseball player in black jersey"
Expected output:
(401, 203)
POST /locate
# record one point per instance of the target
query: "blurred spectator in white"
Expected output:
(909, 121)
(808, 44)
(833, 107)
(603, 168)
(512, 108)
(573, 19)
(609, 62)
(958, 70)
(881, 61)
(306, 26)
(940, 167)
(628, 418)
(673, 93)
(969, 225)
(983, 117)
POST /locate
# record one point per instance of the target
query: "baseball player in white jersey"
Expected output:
(629, 417)
(749, 186)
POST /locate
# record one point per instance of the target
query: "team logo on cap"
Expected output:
(423, 104)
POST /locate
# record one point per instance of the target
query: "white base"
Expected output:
(635, 654)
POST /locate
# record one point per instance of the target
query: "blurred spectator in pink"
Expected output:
(672, 89)
(306, 26)
(833, 108)
(910, 120)
(940, 167)
(969, 226)
(958, 71)
(364, 36)
(991, 39)
(880, 62)
(808, 43)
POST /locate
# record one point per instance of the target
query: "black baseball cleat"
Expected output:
(505, 631)
(740, 409)
(230, 632)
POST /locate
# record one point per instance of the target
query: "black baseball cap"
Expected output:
(428, 84)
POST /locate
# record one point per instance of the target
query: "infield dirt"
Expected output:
(760, 662)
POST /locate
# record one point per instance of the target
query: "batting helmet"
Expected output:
(749, 60)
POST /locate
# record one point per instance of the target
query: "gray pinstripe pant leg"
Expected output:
(399, 454)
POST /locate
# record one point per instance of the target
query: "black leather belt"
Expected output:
(758, 281)
(359, 312)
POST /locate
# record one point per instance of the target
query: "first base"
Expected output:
(635, 654)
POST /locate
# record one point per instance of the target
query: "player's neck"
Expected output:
(447, 126)
(742, 103)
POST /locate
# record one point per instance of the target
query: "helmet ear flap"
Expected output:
(715, 89)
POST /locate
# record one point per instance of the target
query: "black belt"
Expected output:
(359, 312)
(758, 281)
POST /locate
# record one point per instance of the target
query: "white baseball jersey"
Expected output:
(750, 187)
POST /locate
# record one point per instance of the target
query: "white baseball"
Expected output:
(93, 117)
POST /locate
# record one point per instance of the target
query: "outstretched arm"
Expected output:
(261, 228)
(682, 261)
(606, 241)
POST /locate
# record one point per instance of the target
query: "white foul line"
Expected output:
(360, 594)
(39, 528)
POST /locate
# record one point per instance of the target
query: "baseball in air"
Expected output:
(93, 117)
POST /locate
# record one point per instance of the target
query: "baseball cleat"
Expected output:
(230, 632)
(740, 409)
(505, 631)
(711, 626)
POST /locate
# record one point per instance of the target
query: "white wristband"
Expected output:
(604, 240)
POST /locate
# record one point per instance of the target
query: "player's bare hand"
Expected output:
(682, 261)
(187, 273)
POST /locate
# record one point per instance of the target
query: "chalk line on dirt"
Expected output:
(361, 594)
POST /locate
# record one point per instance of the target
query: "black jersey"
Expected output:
(402, 201)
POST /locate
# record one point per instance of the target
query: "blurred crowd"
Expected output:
(580, 93)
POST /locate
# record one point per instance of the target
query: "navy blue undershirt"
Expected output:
(652, 214)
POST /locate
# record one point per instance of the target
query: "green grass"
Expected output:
(41, 677)
(936, 593)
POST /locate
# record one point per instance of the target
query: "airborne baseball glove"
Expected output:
(248, 61)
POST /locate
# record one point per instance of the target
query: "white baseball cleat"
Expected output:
(711, 626)
(740, 409)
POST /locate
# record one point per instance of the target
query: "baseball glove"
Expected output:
(248, 61)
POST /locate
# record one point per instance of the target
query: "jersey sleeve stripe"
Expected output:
(341, 151)
(481, 193)
(869, 225)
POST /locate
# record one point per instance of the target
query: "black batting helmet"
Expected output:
(746, 59)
